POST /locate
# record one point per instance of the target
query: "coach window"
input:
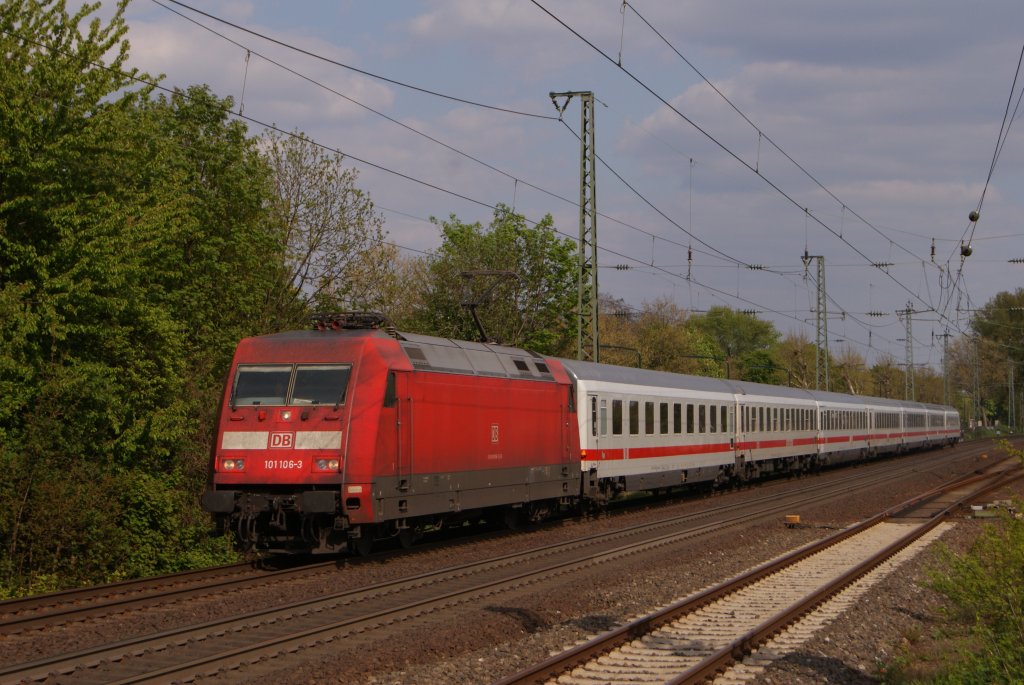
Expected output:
(689, 418)
(702, 423)
(593, 416)
(713, 416)
(634, 417)
(677, 418)
(604, 417)
(663, 418)
(724, 423)
(616, 417)
(649, 418)
(775, 419)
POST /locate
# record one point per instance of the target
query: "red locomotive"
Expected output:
(352, 432)
(347, 433)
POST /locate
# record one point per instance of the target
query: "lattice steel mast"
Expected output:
(821, 321)
(588, 339)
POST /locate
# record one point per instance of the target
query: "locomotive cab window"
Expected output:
(280, 384)
(264, 384)
(320, 384)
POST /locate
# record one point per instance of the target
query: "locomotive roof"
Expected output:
(432, 353)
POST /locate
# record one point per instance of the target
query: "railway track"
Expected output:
(257, 639)
(45, 611)
(41, 611)
(701, 636)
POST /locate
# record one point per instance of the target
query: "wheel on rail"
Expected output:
(407, 537)
(513, 518)
(362, 545)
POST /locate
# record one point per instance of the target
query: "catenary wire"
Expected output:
(730, 152)
(363, 72)
(144, 81)
(452, 148)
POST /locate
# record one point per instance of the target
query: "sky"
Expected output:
(749, 133)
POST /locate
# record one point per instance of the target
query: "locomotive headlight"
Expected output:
(233, 464)
(327, 464)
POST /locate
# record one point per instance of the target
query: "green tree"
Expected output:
(657, 337)
(848, 372)
(135, 249)
(741, 338)
(759, 366)
(1001, 320)
(532, 308)
(795, 354)
(1000, 326)
(887, 378)
(331, 236)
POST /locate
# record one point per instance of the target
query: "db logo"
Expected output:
(494, 432)
(282, 440)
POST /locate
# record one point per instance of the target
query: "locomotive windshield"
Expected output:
(320, 384)
(287, 384)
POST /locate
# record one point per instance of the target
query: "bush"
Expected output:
(985, 589)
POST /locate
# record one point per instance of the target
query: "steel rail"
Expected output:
(590, 650)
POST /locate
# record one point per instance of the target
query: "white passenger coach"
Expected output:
(646, 430)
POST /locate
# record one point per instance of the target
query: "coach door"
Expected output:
(595, 411)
